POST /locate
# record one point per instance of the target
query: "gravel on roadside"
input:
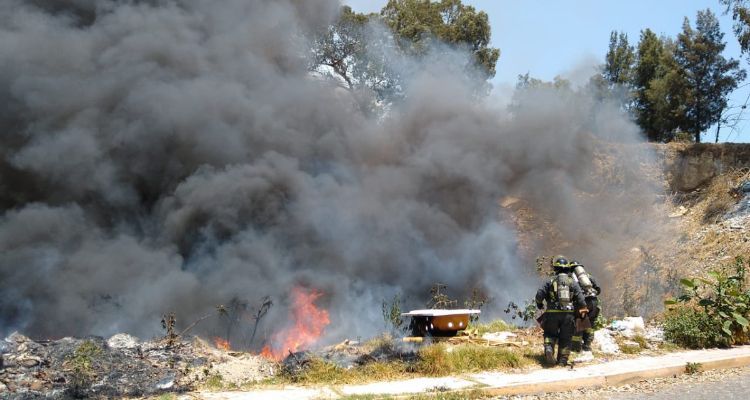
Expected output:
(648, 388)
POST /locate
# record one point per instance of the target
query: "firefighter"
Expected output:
(583, 338)
(563, 298)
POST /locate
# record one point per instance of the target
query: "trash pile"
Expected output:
(120, 366)
(623, 332)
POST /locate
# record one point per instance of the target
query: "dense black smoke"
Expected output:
(175, 155)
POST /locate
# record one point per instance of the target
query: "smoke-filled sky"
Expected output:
(174, 155)
(571, 37)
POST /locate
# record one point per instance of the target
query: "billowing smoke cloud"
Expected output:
(175, 155)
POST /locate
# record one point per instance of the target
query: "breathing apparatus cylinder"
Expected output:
(583, 279)
(561, 286)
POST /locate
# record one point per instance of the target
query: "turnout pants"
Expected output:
(584, 338)
(558, 329)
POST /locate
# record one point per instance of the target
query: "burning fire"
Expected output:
(222, 344)
(309, 323)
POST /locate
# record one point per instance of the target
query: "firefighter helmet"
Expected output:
(560, 262)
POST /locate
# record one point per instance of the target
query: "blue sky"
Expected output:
(567, 37)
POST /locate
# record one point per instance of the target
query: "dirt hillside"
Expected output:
(697, 214)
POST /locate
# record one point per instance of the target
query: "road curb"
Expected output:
(615, 378)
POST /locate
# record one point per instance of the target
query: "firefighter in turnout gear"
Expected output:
(563, 298)
(585, 335)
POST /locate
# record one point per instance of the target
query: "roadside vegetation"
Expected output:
(712, 311)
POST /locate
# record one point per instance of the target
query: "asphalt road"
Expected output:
(730, 387)
(715, 384)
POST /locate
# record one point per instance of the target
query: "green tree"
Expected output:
(711, 76)
(617, 71)
(648, 62)
(528, 88)
(619, 60)
(355, 55)
(741, 16)
(666, 97)
(418, 24)
(526, 81)
(660, 88)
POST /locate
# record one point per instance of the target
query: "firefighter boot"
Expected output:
(577, 340)
(562, 356)
(549, 351)
(588, 338)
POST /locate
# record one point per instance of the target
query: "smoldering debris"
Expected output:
(174, 155)
(121, 366)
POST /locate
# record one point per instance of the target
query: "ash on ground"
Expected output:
(351, 353)
(121, 366)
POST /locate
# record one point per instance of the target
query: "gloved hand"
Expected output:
(583, 312)
(539, 306)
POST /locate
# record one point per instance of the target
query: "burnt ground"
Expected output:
(121, 366)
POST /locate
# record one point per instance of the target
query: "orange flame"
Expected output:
(222, 344)
(309, 323)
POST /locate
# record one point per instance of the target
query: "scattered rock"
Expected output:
(654, 334)
(606, 343)
(123, 341)
(630, 325)
(166, 383)
(682, 210)
(585, 356)
(508, 201)
(29, 362)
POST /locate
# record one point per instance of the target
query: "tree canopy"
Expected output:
(355, 56)
(419, 23)
(676, 85)
(740, 10)
(361, 51)
(619, 60)
(707, 72)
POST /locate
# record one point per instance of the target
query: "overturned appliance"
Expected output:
(438, 322)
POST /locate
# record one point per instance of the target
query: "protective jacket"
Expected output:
(549, 294)
(558, 321)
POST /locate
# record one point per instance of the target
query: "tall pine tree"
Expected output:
(710, 76)
(647, 69)
(620, 59)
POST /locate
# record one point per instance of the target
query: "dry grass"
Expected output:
(441, 359)
(381, 344)
(320, 371)
(494, 326)
(437, 359)
(719, 198)
(433, 360)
